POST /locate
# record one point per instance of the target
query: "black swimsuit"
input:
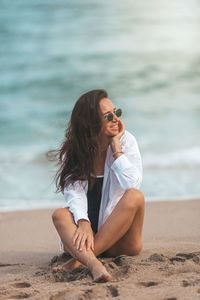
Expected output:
(94, 202)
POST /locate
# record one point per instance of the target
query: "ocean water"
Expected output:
(52, 52)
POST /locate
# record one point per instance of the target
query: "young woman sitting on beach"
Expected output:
(100, 174)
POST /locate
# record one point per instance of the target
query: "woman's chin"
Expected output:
(114, 132)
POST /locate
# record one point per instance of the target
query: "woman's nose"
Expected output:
(115, 118)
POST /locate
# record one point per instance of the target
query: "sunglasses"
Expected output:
(110, 116)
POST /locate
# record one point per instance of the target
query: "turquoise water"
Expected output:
(52, 52)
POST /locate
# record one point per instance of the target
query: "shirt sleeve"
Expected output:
(76, 200)
(128, 166)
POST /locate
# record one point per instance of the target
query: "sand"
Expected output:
(167, 268)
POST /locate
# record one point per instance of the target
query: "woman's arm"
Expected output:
(127, 167)
(76, 200)
(75, 197)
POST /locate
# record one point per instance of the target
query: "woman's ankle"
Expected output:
(94, 264)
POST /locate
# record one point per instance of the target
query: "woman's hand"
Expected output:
(121, 130)
(115, 140)
(83, 237)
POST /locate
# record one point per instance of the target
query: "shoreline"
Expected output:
(29, 241)
(147, 200)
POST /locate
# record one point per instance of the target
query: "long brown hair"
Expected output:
(77, 153)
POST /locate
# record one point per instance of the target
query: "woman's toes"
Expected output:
(105, 277)
(57, 269)
(100, 274)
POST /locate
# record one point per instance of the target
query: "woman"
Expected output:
(100, 175)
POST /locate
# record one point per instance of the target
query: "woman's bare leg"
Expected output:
(129, 234)
(122, 231)
(72, 263)
(64, 223)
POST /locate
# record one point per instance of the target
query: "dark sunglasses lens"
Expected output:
(110, 117)
(118, 112)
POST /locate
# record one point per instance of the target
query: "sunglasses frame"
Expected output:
(110, 116)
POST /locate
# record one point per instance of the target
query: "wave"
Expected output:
(183, 158)
(28, 154)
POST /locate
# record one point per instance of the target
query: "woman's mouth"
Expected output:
(114, 126)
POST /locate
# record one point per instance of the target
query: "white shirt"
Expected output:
(120, 174)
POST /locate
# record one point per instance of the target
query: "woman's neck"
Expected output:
(101, 157)
(103, 144)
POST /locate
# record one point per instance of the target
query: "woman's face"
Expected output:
(109, 128)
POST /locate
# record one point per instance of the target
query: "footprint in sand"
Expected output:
(110, 291)
(157, 257)
(21, 285)
(62, 295)
(95, 292)
(195, 256)
(120, 265)
(113, 290)
(176, 258)
(186, 283)
(20, 296)
(149, 283)
(88, 294)
(180, 257)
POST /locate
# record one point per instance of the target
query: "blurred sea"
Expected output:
(146, 54)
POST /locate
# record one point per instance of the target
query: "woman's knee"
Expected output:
(129, 249)
(135, 248)
(134, 198)
(59, 213)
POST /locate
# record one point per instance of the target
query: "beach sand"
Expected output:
(167, 268)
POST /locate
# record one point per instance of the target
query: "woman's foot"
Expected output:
(103, 277)
(98, 271)
(69, 265)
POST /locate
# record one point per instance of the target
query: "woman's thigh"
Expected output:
(131, 242)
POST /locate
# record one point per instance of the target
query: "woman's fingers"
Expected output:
(75, 237)
(122, 128)
(83, 239)
(82, 243)
(92, 247)
(88, 243)
(92, 242)
(79, 240)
